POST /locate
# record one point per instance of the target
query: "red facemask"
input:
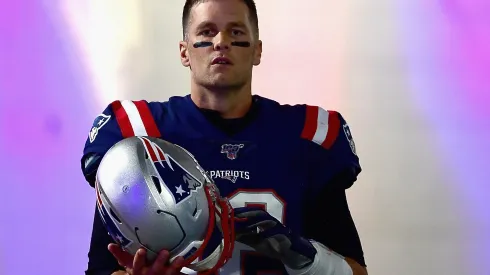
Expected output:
(221, 209)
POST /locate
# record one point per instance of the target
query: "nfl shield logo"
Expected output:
(231, 150)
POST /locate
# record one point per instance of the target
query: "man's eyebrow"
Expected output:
(237, 24)
(207, 23)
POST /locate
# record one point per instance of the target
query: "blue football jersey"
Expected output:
(280, 160)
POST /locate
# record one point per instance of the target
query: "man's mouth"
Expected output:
(221, 61)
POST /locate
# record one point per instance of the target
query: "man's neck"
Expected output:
(230, 104)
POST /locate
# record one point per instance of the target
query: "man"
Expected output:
(293, 161)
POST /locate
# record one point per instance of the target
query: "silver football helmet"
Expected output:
(154, 194)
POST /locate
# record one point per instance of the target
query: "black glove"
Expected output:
(258, 229)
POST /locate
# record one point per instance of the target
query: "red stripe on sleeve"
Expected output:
(122, 119)
(333, 129)
(311, 122)
(147, 118)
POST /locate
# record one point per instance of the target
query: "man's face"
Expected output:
(220, 22)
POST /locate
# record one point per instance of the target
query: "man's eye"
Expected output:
(237, 32)
(205, 32)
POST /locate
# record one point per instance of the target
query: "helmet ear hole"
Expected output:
(156, 182)
(194, 214)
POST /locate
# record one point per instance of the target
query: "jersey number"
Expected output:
(251, 263)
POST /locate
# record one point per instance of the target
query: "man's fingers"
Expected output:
(245, 212)
(176, 265)
(139, 262)
(123, 258)
(160, 262)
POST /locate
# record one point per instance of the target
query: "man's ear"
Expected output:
(184, 54)
(258, 53)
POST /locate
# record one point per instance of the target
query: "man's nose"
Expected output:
(222, 42)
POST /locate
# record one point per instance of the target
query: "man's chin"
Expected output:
(224, 85)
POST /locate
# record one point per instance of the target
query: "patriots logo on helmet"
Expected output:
(176, 179)
(231, 150)
(108, 222)
(99, 122)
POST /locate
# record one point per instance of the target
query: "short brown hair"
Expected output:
(189, 4)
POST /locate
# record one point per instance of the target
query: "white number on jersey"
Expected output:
(245, 260)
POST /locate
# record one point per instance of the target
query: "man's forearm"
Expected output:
(357, 269)
(119, 272)
(327, 262)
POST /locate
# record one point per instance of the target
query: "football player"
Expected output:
(284, 168)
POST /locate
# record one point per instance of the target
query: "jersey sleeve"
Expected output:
(334, 227)
(119, 120)
(333, 166)
(331, 151)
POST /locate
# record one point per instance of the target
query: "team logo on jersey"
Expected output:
(231, 178)
(231, 150)
(108, 222)
(99, 122)
(176, 180)
(350, 139)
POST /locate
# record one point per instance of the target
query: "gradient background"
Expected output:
(410, 76)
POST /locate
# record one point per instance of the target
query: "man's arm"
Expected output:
(334, 227)
(328, 225)
(111, 126)
(100, 260)
(104, 133)
(328, 262)
(357, 269)
(259, 230)
(333, 166)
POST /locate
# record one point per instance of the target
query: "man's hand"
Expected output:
(259, 230)
(137, 265)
